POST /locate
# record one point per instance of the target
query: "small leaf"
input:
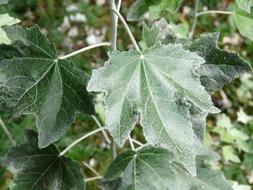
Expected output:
(155, 169)
(139, 8)
(244, 21)
(150, 35)
(160, 84)
(153, 7)
(36, 168)
(245, 4)
(155, 11)
(5, 19)
(33, 81)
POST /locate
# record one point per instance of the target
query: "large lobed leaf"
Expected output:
(159, 84)
(154, 169)
(34, 81)
(42, 169)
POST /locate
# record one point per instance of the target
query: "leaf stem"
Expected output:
(91, 168)
(127, 29)
(119, 5)
(7, 132)
(85, 49)
(114, 149)
(103, 131)
(93, 178)
(214, 12)
(137, 142)
(195, 19)
(79, 140)
(114, 19)
(131, 143)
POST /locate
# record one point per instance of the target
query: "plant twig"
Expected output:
(103, 131)
(7, 132)
(195, 19)
(93, 178)
(79, 140)
(85, 49)
(214, 12)
(127, 29)
(91, 168)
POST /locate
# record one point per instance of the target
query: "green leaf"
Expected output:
(34, 82)
(245, 5)
(159, 84)
(5, 19)
(153, 7)
(244, 21)
(36, 168)
(155, 169)
(221, 66)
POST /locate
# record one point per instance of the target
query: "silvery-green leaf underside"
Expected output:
(159, 84)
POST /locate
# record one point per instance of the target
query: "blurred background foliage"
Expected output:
(72, 24)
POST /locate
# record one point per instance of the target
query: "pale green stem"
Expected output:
(93, 178)
(131, 143)
(214, 12)
(79, 140)
(7, 132)
(103, 131)
(91, 169)
(119, 5)
(85, 49)
(137, 142)
(114, 20)
(127, 29)
(195, 19)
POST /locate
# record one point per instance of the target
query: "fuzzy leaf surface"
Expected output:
(154, 169)
(220, 68)
(158, 84)
(42, 169)
(33, 81)
(5, 19)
